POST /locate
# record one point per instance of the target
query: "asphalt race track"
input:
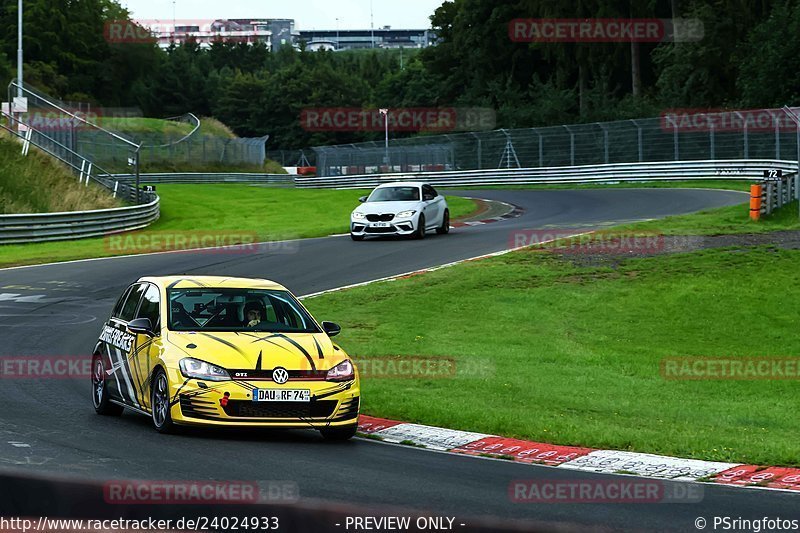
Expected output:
(59, 310)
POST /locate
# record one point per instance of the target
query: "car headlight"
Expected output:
(359, 216)
(196, 369)
(344, 371)
(406, 214)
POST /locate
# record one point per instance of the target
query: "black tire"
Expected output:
(420, 233)
(160, 403)
(357, 237)
(100, 399)
(444, 229)
(339, 434)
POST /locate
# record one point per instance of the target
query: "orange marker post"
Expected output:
(755, 202)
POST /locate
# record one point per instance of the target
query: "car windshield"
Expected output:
(395, 194)
(238, 310)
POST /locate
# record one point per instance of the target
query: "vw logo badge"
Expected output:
(280, 376)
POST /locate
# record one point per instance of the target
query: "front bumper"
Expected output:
(230, 404)
(405, 226)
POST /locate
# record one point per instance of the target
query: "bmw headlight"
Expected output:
(359, 216)
(344, 371)
(196, 369)
(406, 214)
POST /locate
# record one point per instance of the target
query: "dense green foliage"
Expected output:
(748, 57)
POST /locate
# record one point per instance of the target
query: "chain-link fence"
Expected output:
(676, 135)
(103, 137)
(63, 131)
(293, 158)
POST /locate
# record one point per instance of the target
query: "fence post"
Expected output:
(711, 140)
(605, 142)
(640, 139)
(777, 138)
(136, 165)
(745, 138)
(769, 197)
(676, 142)
(571, 146)
(480, 150)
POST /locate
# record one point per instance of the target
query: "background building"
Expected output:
(281, 32)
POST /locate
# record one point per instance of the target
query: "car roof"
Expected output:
(212, 282)
(402, 184)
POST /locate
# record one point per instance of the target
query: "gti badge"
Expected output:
(280, 376)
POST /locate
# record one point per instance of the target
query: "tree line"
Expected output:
(748, 57)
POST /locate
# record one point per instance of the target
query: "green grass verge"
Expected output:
(271, 213)
(133, 126)
(37, 184)
(553, 352)
(726, 220)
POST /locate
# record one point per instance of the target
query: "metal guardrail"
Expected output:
(44, 227)
(203, 177)
(190, 119)
(773, 192)
(655, 171)
(47, 227)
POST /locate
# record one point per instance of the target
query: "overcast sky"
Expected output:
(308, 14)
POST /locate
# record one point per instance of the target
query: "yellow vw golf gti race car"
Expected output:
(208, 351)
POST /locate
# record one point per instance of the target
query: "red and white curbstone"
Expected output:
(579, 458)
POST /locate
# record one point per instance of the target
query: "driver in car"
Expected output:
(253, 314)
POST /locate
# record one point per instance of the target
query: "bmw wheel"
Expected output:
(100, 400)
(160, 402)
(339, 434)
(420, 233)
(444, 229)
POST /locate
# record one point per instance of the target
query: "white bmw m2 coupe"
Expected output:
(404, 209)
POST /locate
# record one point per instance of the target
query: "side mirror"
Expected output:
(331, 329)
(362, 199)
(141, 326)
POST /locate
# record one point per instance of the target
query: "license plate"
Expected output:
(380, 224)
(281, 395)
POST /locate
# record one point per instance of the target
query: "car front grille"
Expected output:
(313, 409)
(388, 217)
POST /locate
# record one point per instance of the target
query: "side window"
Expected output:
(271, 315)
(118, 307)
(150, 305)
(428, 193)
(132, 303)
(434, 192)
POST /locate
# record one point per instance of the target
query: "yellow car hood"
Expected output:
(259, 350)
